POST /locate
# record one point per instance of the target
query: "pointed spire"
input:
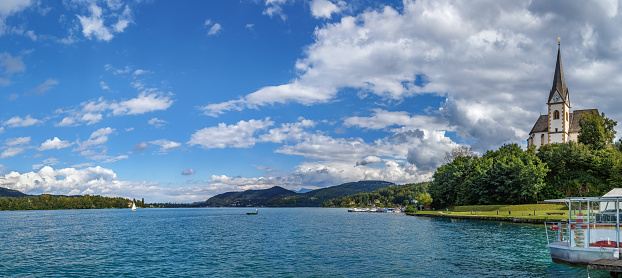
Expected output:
(559, 85)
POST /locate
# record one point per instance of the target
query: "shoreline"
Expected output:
(485, 218)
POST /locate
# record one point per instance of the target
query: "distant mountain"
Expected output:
(303, 190)
(316, 197)
(281, 197)
(5, 192)
(248, 198)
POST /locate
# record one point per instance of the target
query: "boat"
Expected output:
(253, 213)
(357, 210)
(134, 206)
(591, 232)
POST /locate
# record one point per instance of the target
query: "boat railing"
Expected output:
(557, 231)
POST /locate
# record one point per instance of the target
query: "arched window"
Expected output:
(542, 140)
(556, 115)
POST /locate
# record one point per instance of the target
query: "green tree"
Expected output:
(597, 131)
(424, 199)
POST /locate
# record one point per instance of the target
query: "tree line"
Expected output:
(51, 202)
(590, 167)
(392, 196)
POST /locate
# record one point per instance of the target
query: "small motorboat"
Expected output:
(252, 213)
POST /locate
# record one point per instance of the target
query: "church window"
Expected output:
(556, 115)
(555, 129)
(542, 139)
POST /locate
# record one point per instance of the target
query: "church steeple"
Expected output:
(559, 86)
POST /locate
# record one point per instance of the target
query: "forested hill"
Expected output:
(5, 192)
(248, 198)
(280, 197)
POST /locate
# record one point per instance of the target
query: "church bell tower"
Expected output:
(559, 105)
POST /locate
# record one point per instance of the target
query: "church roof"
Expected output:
(542, 124)
(559, 85)
(576, 116)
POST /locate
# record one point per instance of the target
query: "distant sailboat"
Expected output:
(133, 206)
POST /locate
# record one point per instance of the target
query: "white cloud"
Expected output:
(157, 123)
(293, 92)
(8, 7)
(215, 29)
(124, 20)
(45, 86)
(141, 147)
(240, 135)
(165, 145)
(324, 8)
(91, 112)
(188, 172)
(145, 102)
(54, 144)
(98, 137)
(9, 65)
(17, 141)
(11, 152)
(97, 181)
(94, 25)
(17, 121)
(369, 160)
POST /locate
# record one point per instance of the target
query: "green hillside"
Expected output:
(317, 197)
(248, 198)
(5, 192)
(400, 195)
(280, 197)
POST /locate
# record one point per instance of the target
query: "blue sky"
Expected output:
(178, 101)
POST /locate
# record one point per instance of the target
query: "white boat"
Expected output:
(133, 206)
(357, 210)
(591, 232)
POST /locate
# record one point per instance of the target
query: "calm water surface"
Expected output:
(279, 242)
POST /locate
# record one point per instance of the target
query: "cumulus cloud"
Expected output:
(93, 26)
(369, 160)
(165, 145)
(11, 152)
(97, 138)
(324, 8)
(188, 172)
(157, 123)
(17, 141)
(214, 29)
(91, 112)
(97, 181)
(54, 144)
(240, 135)
(18, 121)
(141, 147)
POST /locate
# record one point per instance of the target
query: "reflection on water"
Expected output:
(298, 242)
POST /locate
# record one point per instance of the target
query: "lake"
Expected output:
(278, 242)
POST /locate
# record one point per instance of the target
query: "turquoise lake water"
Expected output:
(279, 242)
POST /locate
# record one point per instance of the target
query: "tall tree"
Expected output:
(597, 131)
(461, 151)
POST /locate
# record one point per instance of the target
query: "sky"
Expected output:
(177, 101)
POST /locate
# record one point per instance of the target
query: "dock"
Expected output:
(613, 266)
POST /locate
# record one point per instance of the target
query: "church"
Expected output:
(559, 125)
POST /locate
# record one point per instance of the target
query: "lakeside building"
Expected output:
(559, 125)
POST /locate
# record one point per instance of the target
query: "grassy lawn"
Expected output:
(519, 211)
